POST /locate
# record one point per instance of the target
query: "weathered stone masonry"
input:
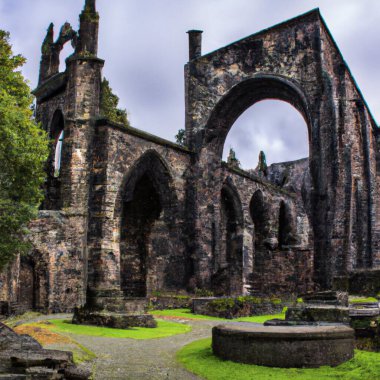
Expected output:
(129, 214)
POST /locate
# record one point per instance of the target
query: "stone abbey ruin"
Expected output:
(129, 214)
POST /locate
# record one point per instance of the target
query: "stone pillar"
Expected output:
(248, 242)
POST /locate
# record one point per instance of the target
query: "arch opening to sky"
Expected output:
(272, 126)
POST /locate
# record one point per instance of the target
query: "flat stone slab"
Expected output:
(284, 346)
(114, 320)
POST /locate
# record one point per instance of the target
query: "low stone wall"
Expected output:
(105, 318)
(367, 333)
(319, 313)
(235, 307)
(284, 347)
(170, 302)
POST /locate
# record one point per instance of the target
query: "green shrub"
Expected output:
(203, 292)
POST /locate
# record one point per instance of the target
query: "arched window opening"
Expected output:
(286, 237)
(58, 154)
(258, 211)
(228, 279)
(53, 199)
(272, 126)
(66, 52)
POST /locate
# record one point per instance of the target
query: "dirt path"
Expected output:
(140, 359)
(143, 359)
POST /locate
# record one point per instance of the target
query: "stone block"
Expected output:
(337, 298)
(22, 357)
(114, 320)
(283, 347)
(235, 307)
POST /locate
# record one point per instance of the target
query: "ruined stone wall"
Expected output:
(51, 277)
(291, 175)
(268, 267)
(354, 234)
(221, 85)
(376, 243)
(9, 281)
(122, 157)
(167, 244)
(58, 259)
(297, 62)
(131, 214)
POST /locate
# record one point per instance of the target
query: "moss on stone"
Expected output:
(89, 16)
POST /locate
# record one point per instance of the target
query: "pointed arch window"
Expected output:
(58, 154)
(53, 187)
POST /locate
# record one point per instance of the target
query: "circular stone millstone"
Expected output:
(284, 346)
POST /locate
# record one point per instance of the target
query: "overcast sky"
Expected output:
(144, 43)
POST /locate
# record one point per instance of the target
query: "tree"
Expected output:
(109, 105)
(23, 152)
(180, 137)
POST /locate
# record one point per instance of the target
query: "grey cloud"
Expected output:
(273, 126)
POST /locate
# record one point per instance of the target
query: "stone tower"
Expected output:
(67, 103)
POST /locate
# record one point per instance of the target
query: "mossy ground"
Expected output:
(187, 314)
(15, 320)
(197, 357)
(164, 329)
(44, 334)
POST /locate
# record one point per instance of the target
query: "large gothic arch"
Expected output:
(297, 62)
(244, 95)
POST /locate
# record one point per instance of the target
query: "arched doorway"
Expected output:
(33, 280)
(147, 228)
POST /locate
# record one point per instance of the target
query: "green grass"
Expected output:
(186, 313)
(261, 318)
(197, 357)
(362, 299)
(164, 329)
(182, 313)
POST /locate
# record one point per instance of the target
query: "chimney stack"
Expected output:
(195, 44)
